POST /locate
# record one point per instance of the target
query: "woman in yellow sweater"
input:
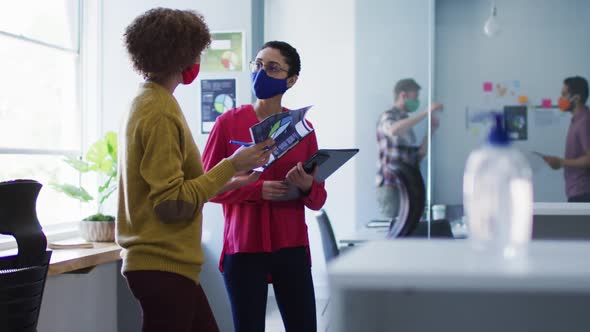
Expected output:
(162, 186)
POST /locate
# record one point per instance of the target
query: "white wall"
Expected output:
(120, 83)
(542, 42)
(323, 32)
(81, 302)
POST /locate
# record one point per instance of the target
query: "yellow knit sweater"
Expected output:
(162, 187)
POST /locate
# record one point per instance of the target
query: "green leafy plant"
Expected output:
(101, 158)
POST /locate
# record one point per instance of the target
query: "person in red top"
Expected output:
(265, 236)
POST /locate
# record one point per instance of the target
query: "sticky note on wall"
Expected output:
(488, 87)
(546, 103)
(523, 99)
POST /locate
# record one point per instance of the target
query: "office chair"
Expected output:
(22, 276)
(327, 234)
(412, 199)
(412, 203)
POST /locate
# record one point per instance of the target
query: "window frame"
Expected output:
(88, 102)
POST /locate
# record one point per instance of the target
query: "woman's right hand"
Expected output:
(239, 180)
(274, 190)
(247, 158)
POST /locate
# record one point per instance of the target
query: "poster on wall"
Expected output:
(217, 96)
(226, 53)
(515, 118)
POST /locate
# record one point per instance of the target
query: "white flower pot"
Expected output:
(97, 231)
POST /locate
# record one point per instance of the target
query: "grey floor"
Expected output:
(274, 323)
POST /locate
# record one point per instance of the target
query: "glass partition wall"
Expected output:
(464, 56)
(511, 57)
(394, 90)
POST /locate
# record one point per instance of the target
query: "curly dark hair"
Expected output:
(163, 41)
(289, 53)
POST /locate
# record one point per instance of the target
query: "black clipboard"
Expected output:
(328, 160)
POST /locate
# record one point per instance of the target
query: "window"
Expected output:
(40, 100)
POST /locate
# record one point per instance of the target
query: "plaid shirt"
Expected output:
(393, 147)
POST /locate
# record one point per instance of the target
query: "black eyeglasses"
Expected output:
(270, 67)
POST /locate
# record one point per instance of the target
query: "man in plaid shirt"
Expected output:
(397, 142)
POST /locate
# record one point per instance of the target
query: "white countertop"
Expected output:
(560, 266)
(561, 209)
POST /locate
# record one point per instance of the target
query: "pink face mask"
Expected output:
(189, 74)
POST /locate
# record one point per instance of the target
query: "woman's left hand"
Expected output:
(300, 178)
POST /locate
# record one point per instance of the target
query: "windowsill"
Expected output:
(72, 260)
(56, 232)
(76, 260)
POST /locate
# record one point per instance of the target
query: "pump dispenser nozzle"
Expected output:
(498, 134)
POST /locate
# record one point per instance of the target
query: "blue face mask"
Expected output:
(265, 87)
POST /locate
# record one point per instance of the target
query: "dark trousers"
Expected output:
(171, 302)
(246, 278)
(579, 198)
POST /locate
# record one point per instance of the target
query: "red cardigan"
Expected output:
(252, 224)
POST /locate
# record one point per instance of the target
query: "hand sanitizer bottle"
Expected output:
(498, 196)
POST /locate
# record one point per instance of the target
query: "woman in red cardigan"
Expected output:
(265, 237)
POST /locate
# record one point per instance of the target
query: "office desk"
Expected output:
(561, 221)
(442, 285)
(364, 235)
(561, 209)
(367, 234)
(551, 221)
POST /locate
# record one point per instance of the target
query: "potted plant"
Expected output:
(101, 158)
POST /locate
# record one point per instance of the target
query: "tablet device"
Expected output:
(328, 160)
(316, 160)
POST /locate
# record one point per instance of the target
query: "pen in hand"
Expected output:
(241, 143)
